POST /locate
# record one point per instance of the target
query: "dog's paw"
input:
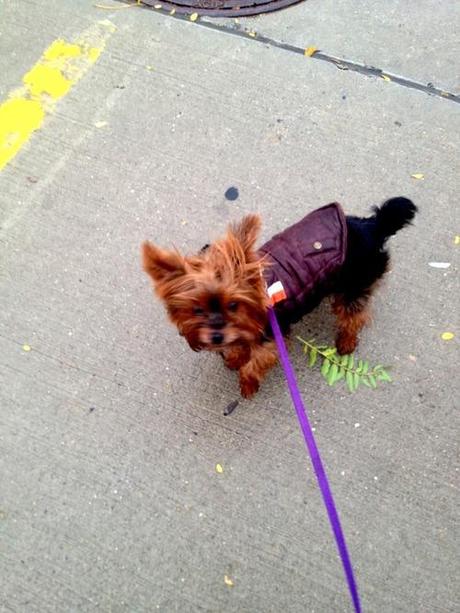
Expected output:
(249, 386)
(346, 343)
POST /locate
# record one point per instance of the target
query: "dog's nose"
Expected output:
(217, 338)
(216, 321)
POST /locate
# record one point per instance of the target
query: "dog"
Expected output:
(218, 297)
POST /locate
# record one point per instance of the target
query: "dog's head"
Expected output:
(217, 297)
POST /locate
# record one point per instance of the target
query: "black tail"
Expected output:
(393, 215)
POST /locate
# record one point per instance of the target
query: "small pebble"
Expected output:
(232, 193)
(219, 468)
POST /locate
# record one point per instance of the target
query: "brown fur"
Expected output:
(231, 272)
(351, 318)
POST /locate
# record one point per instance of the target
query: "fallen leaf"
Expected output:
(26, 347)
(309, 51)
(193, 17)
(439, 264)
(172, 12)
(412, 358)
(447, 336)
(150, 68)
(228, 581)
(237, 21)
(219, 468)
(100, 124)
(157, 6)
(386, 78)
(457, 240)
(252, 34)
(418, 175)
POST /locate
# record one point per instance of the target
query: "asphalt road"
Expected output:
(110, 427)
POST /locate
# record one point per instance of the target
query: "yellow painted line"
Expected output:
(56, 72)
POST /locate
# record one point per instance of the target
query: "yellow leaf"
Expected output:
(228, 581)
(252, 34)
(26, 347)
(172, 12)
(418, 175)
(193, 17)
(457, 240)
(157, 6)
(309, 51)
(219, 468)
(150, 68)
(100, 124)
(386, 78)
(447, 336)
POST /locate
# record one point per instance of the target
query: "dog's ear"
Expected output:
(160, 264)
(247, 231)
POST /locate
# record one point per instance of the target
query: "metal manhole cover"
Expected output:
(222, 8)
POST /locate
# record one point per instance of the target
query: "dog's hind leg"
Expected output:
(352, 315)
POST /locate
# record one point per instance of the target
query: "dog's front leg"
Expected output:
(263, 358)
(236, 357)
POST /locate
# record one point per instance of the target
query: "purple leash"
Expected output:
(316, 459)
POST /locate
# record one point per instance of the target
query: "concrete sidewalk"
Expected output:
(111, 428)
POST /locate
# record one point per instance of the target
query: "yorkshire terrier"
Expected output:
(218, 298)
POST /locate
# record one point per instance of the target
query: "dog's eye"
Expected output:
(198, 311)
(232, 306)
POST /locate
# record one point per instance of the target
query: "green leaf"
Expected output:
(356, 380)
(365, 380)
(372, 381)
(349, 380)
(359, 370)
(332, 374)
(384, 376)
(365, 367)
(312, 358)
(344, 361)
(351, 360)
(341, 373)
(325, 367)
(305, 349)
(330, 351)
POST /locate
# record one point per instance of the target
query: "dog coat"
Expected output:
(304, 257)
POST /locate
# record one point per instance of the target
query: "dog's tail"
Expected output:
(393, 215)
